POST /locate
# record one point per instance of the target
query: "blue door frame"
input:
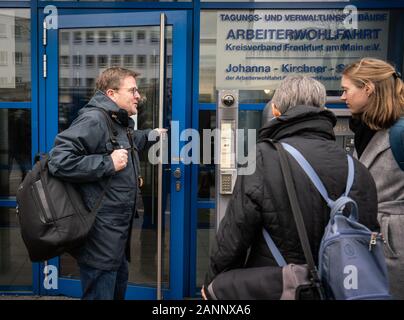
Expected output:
(181, 112)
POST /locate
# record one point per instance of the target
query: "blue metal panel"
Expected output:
(41, 95)
(336, 105)
(258, 106)
(36, 278)
(52, 83)
(188, 168)
(119, 5)
(375, 4)
(16, 290)
(251, 106)
(195, 172)
(206, 106)
(180, 97)
(15, 105)
(81, 19)
(8, 202)
(242, 106)
(15, 4)
(72, 288)
(34, 81)
(206, 204)
(35, 145)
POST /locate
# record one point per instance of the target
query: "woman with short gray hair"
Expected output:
(295, 91)
(260, 200)
(299, 90)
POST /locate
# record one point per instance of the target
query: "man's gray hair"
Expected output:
(299, 90)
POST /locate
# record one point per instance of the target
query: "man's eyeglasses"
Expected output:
(131, 90)
(134, 91)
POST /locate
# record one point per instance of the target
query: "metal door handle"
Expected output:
(177, 173)
(160, 165)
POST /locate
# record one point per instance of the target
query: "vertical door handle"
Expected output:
(160, 165)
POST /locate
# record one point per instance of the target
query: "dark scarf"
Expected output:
(363, 134)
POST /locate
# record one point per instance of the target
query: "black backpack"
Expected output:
(51, 212)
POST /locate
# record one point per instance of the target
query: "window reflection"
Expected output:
(84, 53)
(15, 55)
(136, 48)
(15, 266)
(334, 57)
(205, 235)
(15, 149)
(206, 176)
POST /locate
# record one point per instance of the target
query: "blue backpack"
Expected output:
(396, 137)
(352, 265)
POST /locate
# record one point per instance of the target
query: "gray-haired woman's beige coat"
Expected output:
(389, 179)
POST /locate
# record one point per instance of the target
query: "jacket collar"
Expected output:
(307, 120)
(100, 100)
(378, 144)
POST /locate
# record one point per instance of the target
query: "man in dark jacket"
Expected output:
(84, 154)
(260, 200)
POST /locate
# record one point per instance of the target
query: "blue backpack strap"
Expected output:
(274, 249)
(396, 137)
(341, 201)
(351, 174)
(308, 169)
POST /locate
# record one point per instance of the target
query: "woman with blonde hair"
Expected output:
(374, 92)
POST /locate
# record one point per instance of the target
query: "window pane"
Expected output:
(15, 55)
(248, 120)
(205, 235)
(15, 149)
(89, 37)
(253, 50)
(15, 266)
(87, 63)
(206, 176)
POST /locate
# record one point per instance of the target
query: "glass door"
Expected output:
(154, 45)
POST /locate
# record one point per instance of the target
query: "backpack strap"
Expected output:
(280, 260)
(396, 138)
(315, 179)
(113, 133)
(298, 217)
(351, 174)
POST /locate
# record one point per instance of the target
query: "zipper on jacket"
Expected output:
(133, 149)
